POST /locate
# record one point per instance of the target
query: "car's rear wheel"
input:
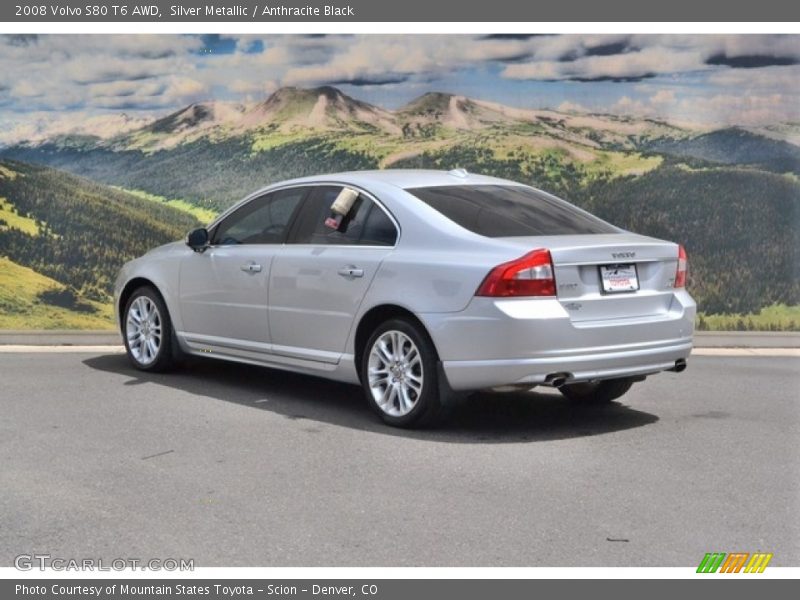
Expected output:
(147, 331)
(399, 375)
(596, 392)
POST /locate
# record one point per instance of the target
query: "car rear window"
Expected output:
(509, 211)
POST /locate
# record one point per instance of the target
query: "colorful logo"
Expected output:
(734, 562)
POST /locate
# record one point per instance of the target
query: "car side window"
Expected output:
(261, 221)
(365, 224)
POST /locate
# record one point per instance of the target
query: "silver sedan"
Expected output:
(418, 286)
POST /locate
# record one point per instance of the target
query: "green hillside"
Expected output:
(29, 300)
(203, 215)
(735, 146)
(741, 228)
(777, 317)
(77, 233)
(212, 175)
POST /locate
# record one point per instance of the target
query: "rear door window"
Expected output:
(366, 223)
(509, 211)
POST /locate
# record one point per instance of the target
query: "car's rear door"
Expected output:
(319, 278)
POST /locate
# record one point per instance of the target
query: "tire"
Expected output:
(147, 331)
(402, 389)
(596, 392)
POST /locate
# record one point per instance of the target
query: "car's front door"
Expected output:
(321, 275)
(224, 290)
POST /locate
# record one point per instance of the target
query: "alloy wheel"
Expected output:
(143, 330)
(394, 373)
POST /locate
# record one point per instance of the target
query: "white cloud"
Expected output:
(181, 88)
(98, 73)
(719, 109)
(569, 106)
(633, 65)
(766, 78)
(663, 96)
(633, 56)
(26, 89)
(739, 109)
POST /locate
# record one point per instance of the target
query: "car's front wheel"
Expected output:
(148, 331)
(596, 392)
(399, 375)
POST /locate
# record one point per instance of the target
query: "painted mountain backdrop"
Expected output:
(75, 204)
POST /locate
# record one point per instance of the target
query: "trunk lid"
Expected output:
(577, 262)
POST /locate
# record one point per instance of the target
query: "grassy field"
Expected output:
(10, 218)
(23, 303)
(204, 215)
(777, 317)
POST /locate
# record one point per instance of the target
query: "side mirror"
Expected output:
(197, 240)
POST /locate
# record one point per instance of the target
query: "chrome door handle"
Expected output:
(251, 268)
(350, 272)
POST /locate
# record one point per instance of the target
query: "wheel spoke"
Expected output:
(397, 345)
(132, 327)
(379, 381)
(415, 383)
(384, 352)
(406, 403)
(391, 396)
(411, 356)
(381, 394)
(142, 306)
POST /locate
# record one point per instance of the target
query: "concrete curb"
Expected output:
(746, 339)
(59, 337)
(703, 339)
(118, 349)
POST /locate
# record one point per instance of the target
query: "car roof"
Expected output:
(406, 178)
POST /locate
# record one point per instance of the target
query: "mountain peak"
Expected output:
(292, 93)
(188, 117)
(318, 108)
(430, 102)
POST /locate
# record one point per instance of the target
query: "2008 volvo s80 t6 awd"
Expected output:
(415, 285)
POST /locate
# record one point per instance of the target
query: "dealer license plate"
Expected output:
(619, 278)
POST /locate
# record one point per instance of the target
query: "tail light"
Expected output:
(529, 275)
(683, 266)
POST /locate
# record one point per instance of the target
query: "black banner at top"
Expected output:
(202, 11)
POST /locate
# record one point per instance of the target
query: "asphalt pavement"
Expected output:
(233, 465)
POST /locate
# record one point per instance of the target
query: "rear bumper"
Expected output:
(476, 374)
(502, 342)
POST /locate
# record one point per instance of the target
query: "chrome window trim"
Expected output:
(266, 191)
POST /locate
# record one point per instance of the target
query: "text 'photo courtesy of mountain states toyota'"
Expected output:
(417, 285)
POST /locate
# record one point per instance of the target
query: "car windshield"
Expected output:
(509, 211)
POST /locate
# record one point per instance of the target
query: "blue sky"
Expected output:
(707, 80)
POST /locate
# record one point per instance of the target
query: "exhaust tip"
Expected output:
(680, 365)
(556, 379)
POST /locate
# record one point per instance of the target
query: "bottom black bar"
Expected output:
(383, 589)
